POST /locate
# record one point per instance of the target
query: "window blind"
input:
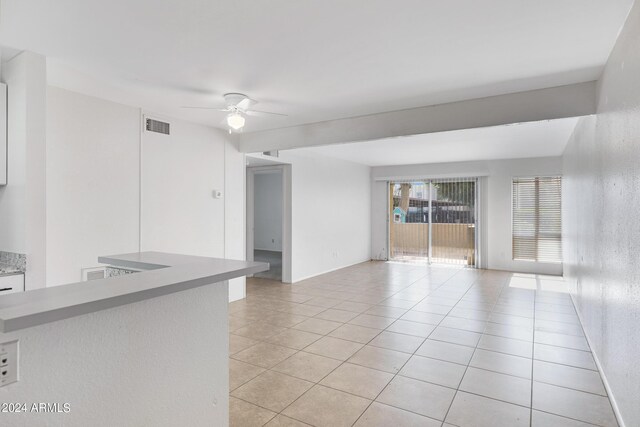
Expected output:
(537, 219)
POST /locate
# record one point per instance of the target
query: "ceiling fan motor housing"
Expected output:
(236, 99)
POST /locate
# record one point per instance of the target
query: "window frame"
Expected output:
(511, 205)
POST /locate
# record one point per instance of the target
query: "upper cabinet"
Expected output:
(3, 134)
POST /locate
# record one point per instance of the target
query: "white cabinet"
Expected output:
(3, 134)
(11, 283)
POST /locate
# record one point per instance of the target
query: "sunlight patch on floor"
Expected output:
(538, 282)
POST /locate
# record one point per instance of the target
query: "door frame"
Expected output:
(285, 170)
(479, 214)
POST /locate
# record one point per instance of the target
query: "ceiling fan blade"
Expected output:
(207, 108)
(263, 113)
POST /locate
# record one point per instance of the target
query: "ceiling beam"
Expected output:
(543, 104)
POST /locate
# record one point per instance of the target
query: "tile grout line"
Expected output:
(343, 362)
(368, 343)
(395, 319)
(412, 355)
(471, 358)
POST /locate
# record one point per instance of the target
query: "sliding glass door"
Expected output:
(433, 221)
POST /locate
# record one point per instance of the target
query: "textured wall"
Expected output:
(602, 221)
(159, 362)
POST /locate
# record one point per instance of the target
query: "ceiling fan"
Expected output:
(238, 106)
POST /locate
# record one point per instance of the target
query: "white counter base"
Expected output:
(160, 362)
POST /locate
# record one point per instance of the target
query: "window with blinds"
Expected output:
(537, 219)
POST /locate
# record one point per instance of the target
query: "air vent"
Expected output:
(272, 153)
(157, 126)
(92, 273)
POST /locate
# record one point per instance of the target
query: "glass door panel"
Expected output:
(433, 221)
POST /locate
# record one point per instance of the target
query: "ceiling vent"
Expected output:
(156, 126)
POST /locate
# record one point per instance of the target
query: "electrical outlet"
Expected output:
(8, 363)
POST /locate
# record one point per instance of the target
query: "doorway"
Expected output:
(434, 221)
(269, 220)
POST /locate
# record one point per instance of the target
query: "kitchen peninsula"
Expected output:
(149, 348)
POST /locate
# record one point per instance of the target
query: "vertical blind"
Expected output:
(433, 220)
(537, 219)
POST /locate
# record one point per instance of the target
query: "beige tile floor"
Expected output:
(390, 344)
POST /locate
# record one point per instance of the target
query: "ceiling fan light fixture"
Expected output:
(235, 121)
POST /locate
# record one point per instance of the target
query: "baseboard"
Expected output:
(523, 272)
(329, 271)
(607, 387)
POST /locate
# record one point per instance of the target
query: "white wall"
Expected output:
(93, 182)
(496, 202)
(602, 221)
(331, 221)
(13, 226)
(23, 199)
(234, 214)
(179, 213)
(113, 189)
(152, 363)
(267, 220)
(179, 173)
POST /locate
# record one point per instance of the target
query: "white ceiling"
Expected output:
(523, 140)
(313, 60)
